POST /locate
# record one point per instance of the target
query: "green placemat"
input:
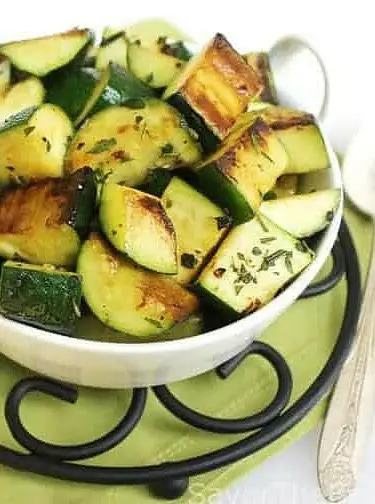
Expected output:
(305, 335)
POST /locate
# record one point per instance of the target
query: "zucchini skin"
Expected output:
(40, 296)
(122, 87)
(209, 141)
(218, 188)
(70, 89)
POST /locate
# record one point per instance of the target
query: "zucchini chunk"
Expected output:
(5, 75)
(43, 222)
(148, 32)
(260, 63)
(253, 263)
(112, 51)
(41, 56)
(128, 298)
(123, 144)
(244, 169)
(213, 90)
(40, 296)
(301, 138)
(153, 67)
(200, 225)
(304, 214)
(23, 95)
(136, 224)
(71, 89)
(33, 144)
(117, 86)
(286, 185)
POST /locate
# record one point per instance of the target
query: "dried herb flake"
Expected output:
(102, 145)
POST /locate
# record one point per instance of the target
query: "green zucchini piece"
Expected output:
(26, 94)
(200, 225)
(5, 74)
(127, 298)
(43, 222)
(244, 169)
(252, 264)
(301, 138)
(213, 90)
(40, 296)
(260, 63)
(148, 32)
(115, 51)
(137, 224)
(41, 56)
(123, 144)
(117, 86)
(33, 144)
(303, 215)
(71, 89)
(153, 67)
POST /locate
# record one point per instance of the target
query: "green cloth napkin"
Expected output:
(305, 335)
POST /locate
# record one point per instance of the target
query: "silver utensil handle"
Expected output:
(349, 418)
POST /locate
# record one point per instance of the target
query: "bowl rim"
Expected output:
(256, 319)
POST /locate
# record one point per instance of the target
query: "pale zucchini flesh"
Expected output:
(199, 226)
(253, 263)
(303, 215)
(113, 52)
(137, 224)
(5, 75)
(33, 144)
(123, 144)
(153, 67)
(41, 56)
(23, 95)
(127, 298)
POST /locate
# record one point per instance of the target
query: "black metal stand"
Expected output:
(170, 480)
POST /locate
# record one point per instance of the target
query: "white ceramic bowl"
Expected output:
(121, 365)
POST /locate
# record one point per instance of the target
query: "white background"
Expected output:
(344, 33)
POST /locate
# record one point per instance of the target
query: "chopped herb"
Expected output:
(48, 143)
(288, 263)
(80, 145)
(102, 145)
(135, 103)
(149, 78)
(154, 322)
(267, 239)
(243, 269)
(329, 216)
(238, 289)
(219, 272)
(161, 40)
(256, 251)
(29, 130)
(137, 42)
(262, 225)
(240, 256)
(269, 260)
(167, 148)
(114, 232)
(301, 247)
(189, 261)
(168, 203)
(270, 195)
(138, 119)
(233, 266)
(223, 221)
(264, 154)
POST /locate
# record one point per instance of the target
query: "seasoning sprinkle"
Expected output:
(267, 239)
(29, 130)
(102, 145)
(154, 322)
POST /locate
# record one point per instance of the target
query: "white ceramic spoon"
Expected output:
(349, 420)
